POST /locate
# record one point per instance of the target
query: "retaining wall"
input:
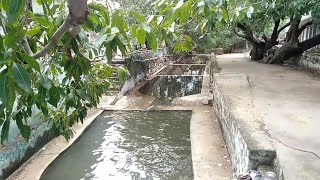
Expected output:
(248, 143)
(143, 63)
(310, 60)
(16, 150)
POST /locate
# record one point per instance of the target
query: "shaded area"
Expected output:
(129, 145)
(183, 70)
(165, 88)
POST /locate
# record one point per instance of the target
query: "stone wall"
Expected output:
(143, 63)
(310, 60)
(16, 150)
(248, 143)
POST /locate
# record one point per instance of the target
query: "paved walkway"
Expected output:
(289, 102)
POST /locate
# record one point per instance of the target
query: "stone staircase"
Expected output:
(116, 84)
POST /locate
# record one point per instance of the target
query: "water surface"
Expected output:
(129, 145)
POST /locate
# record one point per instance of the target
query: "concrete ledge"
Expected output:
(206, 140)
(249, 144)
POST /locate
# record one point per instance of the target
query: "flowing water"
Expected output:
(129, 145)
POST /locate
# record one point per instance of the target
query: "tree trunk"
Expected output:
(293, 47)
(257, 51)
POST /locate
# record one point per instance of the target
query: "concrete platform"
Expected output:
(289, 103)
(209, 155)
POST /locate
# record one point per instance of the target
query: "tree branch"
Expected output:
(248, 34)
(238, 34)
(305, 25)
(55, 38)
(309, 43)
(26, 46)
(275, 29)
(77, 15)
(283, 27)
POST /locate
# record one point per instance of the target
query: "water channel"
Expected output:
(129, 145)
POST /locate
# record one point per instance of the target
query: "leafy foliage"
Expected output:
(65, 83)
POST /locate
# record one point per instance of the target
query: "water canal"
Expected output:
(129, 145)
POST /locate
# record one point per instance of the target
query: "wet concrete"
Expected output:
(289, 102)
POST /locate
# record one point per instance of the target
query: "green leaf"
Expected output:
(14, 36)
(152, 41)
(24, 129)
(134, 31)
(4, 90)
(31, 61)
(22, 77)
(114, 30)
(59, 19)
(5, 5)
(5, 131)
(225, 14)
(94, 19)
(75, 46)
(45, 81)
(15, 9)
(32, 32)
(108, 52)
(43, 22)
(120, 46)
(141, 36)
(123, 39)
(101, 40)
(138, 17)
(146, 27)
(159, 20)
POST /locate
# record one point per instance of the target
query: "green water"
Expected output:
(129, 145)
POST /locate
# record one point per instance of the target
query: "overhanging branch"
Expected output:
(305, 25)
(55, 38)
(238, 33)
(310, 43)
(283, 27)
(77, 15)
(26, 46)
(275, 29)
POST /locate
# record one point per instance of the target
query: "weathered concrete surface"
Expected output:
(209, 155)
(289, 102)
(249, 144)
